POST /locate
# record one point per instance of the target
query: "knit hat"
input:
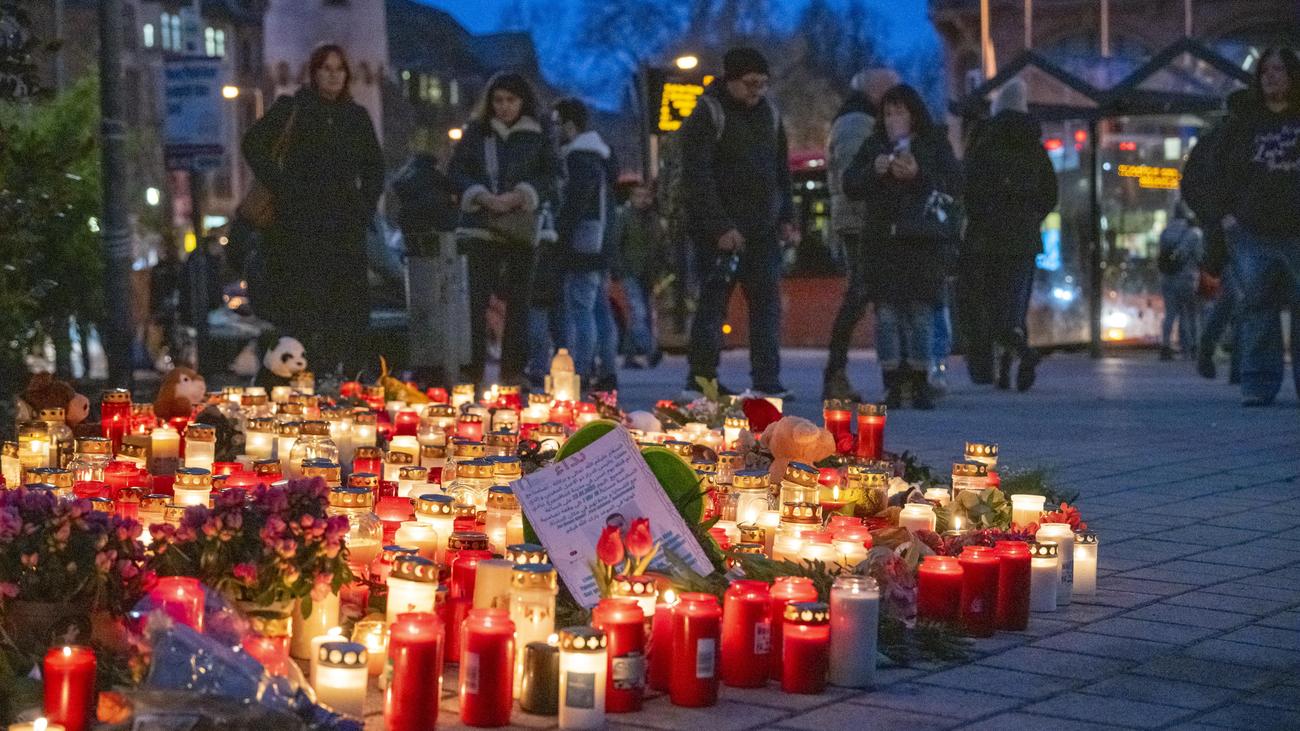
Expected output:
(741, 61)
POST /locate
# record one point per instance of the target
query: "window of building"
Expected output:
(214, 42)
(429, 89)
(171, 32)
(453, 93)
(146, 35)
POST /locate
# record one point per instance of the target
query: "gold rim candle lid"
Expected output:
(266, 467)
(731, 459)
(810, 613)
(391, 553)
(53, 413)
(399, 458)
(364, 417)
(981, 450)
(269, 626)
(291, 407)
(116, 396)
(550, 429)
(60, 479)
(316, 428)
(508, 467)
(872, 410)
(869, 476)
(433, 451)
(173, 513)
(367, 480)
(435, 504)
(539, 399)
(194, 478)
(261, 424)
(351, 497)
(200, 433)
(101, 504)
(801, 474)
(33, 429)
(284, 429)
(752, 533)
(750, 480)
(970, 469)
(801, 512)
(252, 399)
(1043, 549)
(468, 540)
(835, 404)
(368, 452)
(464, 510)
(633, 586)
(582, 639)
(680, 448)
(748, 548)
(1085, 537)
(468, 449)
(533, 576)
(475, 469)
(129, 496)
(414, 568)
(133, 451)
(155, 503)
(342, 655)
(502, 439)
(502, 498)
(526, 553)
(413, 472)
(322, 467)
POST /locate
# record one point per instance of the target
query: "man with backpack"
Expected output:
(736, 192)
(1179, 261)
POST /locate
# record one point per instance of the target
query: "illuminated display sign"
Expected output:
(1149, 176)
(676, 104)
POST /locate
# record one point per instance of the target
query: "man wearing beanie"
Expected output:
(736, 186)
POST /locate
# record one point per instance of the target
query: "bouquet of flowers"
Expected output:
(65, 552)
(274, 545)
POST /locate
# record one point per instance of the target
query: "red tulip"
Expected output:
(639, 541)
(609, 549)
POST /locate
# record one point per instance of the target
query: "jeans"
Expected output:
(904, 334)
(1267, 271)
(1180, 306)
(852, 308)
(941, 345)
(995, 296)
(1220, 314)
(591, 322)
(547, 330)
(640, 317)
(504, 270)
(759, 275)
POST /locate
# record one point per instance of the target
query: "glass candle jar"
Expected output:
(412, 481)
(438, 511)
(985, 453)
(327, 470)
(34, 445)
(414, 689)
(871, 431)
(365, 533)
(503, 510)
(1013, 585)
(746, 634)
(1026, 510)
(406, 423)
(854, 624)
(533, 588)
(473, 480)
(968, 476)
(583, 677)
(181, 598)
(492, 583)
(917, 517)
(394, 463)
(69, 687)
(785, 590)
(487, 664)
(115, 414)
(938, 589)
(1063, 536)
(805, 648)
(433, 458)
(10, 467)
(92, 456)
(286, 434)
(624, 626)
(341, 677)
(470, 426)
(193, 486)
(1044, 576)
(732, 427)
(320, 623)
(799, 484)
(62, 443)
(550, 435)
(837, 416)
(421, 536)
(696, 631)
(313, 442)
(522, 553)
(365, 431)
(873, 486)
(979, 590)
(506, 471)
(373, 635)
(255, 404)
(751, 489)
(1085, 563)
(412, 586)
(405, 443)
(259, 439)
(461, 394)
(382, 566)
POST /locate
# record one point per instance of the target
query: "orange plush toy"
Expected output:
(795, 439)
(46, 392)
(181, 390)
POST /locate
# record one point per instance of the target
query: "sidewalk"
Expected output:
(1196, 622)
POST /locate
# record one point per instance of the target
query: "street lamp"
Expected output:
(455, 133)
(687, 62)
(229, 91)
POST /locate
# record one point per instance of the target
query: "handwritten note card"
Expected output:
(570, 502)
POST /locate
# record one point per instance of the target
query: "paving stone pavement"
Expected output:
(1196, 621)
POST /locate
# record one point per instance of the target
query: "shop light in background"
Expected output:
(1052, 143)
(676, 104)
(1128, 146)
(1150, 176)
(1114, 325)
(455, 133)
(152, 196)
(686, 63)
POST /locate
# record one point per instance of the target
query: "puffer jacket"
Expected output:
(526, 162)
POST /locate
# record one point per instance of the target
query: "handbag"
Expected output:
(518, 227)
(258, 206)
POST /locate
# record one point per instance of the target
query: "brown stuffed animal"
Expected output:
(45, 392)
(795, 439)
(182, 389)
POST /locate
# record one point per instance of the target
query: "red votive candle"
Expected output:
(115, 415)
(697, 626)
(368, 460)
(406, 424)
(464, 571)
(871, 431)
(181, 598)
(487, 666)
(746, 634)
(272, 651)
(624, 626)
(414, 672)
(561, 412)
(806, 648)
(661, 641)
(86, 489)
(470, 426)
(225, 468)
(1013, 585)
(837, 418)
(350, 389)
(785, 590)
(938, 589)
(979, 590)
(69, 680)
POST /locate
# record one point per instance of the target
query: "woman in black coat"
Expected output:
(318, 155)
(505, 167)
(905, 173)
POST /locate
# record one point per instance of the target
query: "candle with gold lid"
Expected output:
(365, 431)
(985, 453)
(286, 434)
(502, 509)
(799, 484)
(341, 677)
(583, 676)
(533, 588)
(324, 468)
(412, 586)
(193, 486)
(394, 461)
(500, 444)
(412, 481)
(874, 485)
(365, 532)
(420, 535)
(732, 427)
(639, 588)
(438, 511)
(34, 445)
(522, 553)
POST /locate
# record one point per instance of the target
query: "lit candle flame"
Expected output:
(39, 724)
(553, 639)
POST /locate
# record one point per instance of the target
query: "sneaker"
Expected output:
(1027, 373)
(836, 385)
(1004, 371)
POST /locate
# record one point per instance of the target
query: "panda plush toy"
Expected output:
(283, 357)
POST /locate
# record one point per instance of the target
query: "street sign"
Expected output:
(193, 135)
(671, 98)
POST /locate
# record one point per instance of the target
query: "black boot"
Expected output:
(836, 385)
(1027, 373)
(893, 387)
(1004, 370)
(922, 392)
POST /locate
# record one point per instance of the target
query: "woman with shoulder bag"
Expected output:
(505, 166)
(317, 156)
(906, 173)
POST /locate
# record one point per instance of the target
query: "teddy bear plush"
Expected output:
(44, 391)
(182, 389)
(283, 357)
(795, 439)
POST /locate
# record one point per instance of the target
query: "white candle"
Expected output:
(408, 444)
(492, 584)
(770, 520)
(855, 616)
(364, 433)
(333, 634)
(732, 427)
(341, 676)
(439, 512)
(412, 481)
(281, 394)
(917, 517)
(502, 507)
(1063, 535)
(815, 551)
(164, 448)
(787, 545)
(259, 440)
(324, 616)
(582, 678)
(938, 495)
(193, 486)
(532, 607)
(851, 553)
(200, 454)
(393, 408)
(1043, 577)
(40, 724)
(412, 586)
(1026, 509)
(1085, 563)
(373, 633)
(421, 536)
(286, 435)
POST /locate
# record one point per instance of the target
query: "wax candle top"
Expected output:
(534, 576)
(750, 480)
(366, 480)
(941, 564)
(467, 540)
(872, 409)
(1011, 548)
(853, 584)
(801, 474)
(582, 639)
(351, 497)
(502, 498)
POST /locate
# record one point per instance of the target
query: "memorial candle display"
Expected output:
(938, 589)
(364, 433)
(193, 486)
(1063, 536)
(487, 662)
(412, 481)
(1044, 576)
(1013, 585)
(1085, 563)
(871, 431)
(623, 623)
(805, 648)
(373, 634)
(502, 510)
(854, 623)
(800, 485)
(200, 446)
(181, 599)
(341, 676)
(838, 418)
(414, 672)
(1026, 509)
(785, 590)
(979, 590)
(164, 450)
(412, 586)
(583, 678)
(746, 634)
(696, 630)
(732, 426)
(115, 414)
(69, 682)
(286, 433)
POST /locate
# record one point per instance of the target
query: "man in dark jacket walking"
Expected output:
(1010, 188)
(736, 184)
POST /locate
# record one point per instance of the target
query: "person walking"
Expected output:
(906, 175)
(317, 155)
(736, 189)
(505, 167)
(1010, 188)
(640, 242)
(581, 224)
(852, 126)
(1181, 252)
(1257, 200)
